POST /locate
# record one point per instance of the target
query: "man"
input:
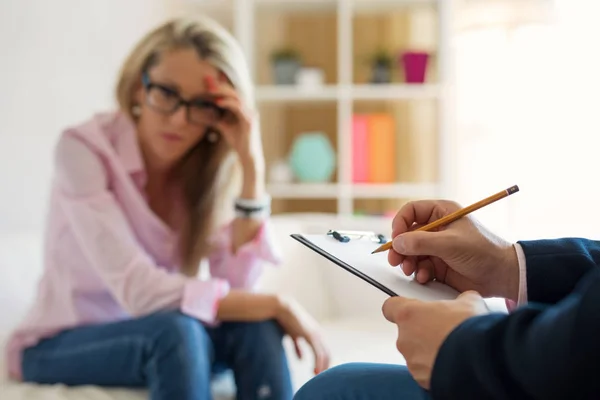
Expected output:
(547, 348)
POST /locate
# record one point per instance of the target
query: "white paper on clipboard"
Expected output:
(355, 257)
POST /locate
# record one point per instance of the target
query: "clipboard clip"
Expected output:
(345, 236)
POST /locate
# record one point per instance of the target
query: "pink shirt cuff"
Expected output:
(522, 299)
(262, 246)
(242, 269)
(201, 299)
(522, 296)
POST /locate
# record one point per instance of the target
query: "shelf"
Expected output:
(395, 92)
(398, 91)
(340, 37)
(297, 5)
(394, 190)
(363, 6)
(296, 93)
(303, 190)
(212, 5)
(360, 5)
(387, 5)
(357, 191)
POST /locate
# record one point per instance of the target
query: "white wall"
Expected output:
(528, 115)
(59, 61)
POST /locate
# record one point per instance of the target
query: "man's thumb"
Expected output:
(420, 243)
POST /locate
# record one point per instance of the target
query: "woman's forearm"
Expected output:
(241, 305)
(253, 187)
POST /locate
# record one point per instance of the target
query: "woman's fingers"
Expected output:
(322, 361)
(297, 347)
(321, 354)
(232, 105)
(220, 90)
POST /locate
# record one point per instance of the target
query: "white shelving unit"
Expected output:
(357, 191)
(344, 93)
(275, 93)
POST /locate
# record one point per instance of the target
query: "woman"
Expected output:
(140, 197)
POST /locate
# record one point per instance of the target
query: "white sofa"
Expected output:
(348, 309)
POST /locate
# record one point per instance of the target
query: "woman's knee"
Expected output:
(268, 331)
(261, 340)
(174, 329)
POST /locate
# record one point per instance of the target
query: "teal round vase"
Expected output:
(312, 158)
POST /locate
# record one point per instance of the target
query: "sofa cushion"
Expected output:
(301, 274)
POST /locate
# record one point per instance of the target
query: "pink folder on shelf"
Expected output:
(360, 150)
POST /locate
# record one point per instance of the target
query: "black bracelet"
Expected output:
(248, 210)
(252, 208)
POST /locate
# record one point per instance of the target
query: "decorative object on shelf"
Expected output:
(286, 64)
(381, 67)
(310, 77)
(373, 145)
(280, 172)
(414, 64)
(360, 148)
(312, 157)
(381, 150)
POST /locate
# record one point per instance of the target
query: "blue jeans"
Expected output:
(362, 381)
(171, 354)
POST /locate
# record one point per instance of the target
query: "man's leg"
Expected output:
(167, 352)
(362, 381)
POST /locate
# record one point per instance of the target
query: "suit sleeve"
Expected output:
(539, 351)
(555, 267)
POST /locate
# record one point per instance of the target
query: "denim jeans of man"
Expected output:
(363, 381)
(171, 354)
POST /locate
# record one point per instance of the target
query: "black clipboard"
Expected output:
(380, 274)
(344, 265)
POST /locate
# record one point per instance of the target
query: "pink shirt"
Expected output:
(107, 256)
(522, 299)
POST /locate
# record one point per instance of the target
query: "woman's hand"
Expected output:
(236, 125)
(464, 254)
(241, 305)
(298, 324)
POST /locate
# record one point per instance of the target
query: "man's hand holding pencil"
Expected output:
(435, 239)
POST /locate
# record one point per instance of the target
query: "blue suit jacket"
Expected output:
(547, 349)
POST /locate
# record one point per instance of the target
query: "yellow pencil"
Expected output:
(458, 214)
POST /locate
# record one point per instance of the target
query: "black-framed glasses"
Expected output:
(166, 100)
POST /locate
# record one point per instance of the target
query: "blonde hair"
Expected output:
(210, 172)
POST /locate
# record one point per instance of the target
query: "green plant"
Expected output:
(381, 58)
(285, 54)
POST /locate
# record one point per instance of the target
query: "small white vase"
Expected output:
(280, 172)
